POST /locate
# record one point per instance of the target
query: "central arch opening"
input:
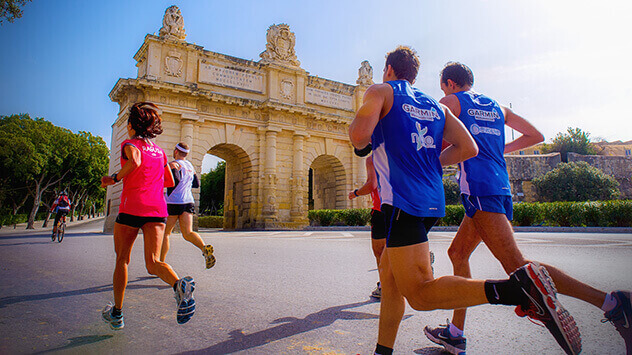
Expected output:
(327, 181)
(237, 185)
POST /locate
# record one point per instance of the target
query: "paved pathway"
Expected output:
(289, 292)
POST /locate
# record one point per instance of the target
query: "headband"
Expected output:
(178, 147)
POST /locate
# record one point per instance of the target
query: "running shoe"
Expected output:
(184, 299)
(116, 323)
(621, 317)
(541, 304)
(377, 293)
(441, 335)
(208, 256)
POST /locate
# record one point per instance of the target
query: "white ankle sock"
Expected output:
(609, 303)
(454, 331)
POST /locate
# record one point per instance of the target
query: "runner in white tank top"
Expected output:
(181, 205)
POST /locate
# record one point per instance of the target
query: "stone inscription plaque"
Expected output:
(212, 74)
(328, 98)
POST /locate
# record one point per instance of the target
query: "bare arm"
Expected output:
(367, 117)
(462, 145)
(530, 135)
(133, 161)
(371, 181)
(169, 181)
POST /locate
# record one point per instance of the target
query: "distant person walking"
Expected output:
(145, 174)
(181, 205)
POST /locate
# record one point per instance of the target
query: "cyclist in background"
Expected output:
(60, 207)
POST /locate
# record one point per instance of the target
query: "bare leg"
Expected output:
(124, 237)
(463, 245)
(153, 234)
(413, 277)
(378, 245)
(186, 227)
(392, 305)
(171, 222)
(497, 234)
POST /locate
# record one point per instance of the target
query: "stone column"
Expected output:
(186, 132)
(298, 181)
(270, 178)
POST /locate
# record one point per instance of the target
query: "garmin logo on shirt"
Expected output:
(421, 114)
(483, 115)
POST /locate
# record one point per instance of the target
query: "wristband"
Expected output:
(113, 176)
(355, 192)
(364, 151)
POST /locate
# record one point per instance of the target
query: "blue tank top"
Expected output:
(406, 146)
(486, 173)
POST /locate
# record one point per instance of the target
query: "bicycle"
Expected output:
(61, 230)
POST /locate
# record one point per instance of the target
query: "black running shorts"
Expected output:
(403, 229)
(378, 229)
(178, 209)
(138, 221)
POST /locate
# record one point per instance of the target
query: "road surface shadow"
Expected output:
(78, 341)
(431, 350)
(5, 301)
(288, 326)
(46, 234)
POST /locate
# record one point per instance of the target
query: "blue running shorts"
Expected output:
(495, 203)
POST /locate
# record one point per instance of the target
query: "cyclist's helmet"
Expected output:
(63, 193)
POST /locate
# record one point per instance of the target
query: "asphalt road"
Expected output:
(299, 292)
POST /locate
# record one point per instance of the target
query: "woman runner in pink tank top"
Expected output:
(145, 174)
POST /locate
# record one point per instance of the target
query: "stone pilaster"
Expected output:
(298, 181)
(269, 210)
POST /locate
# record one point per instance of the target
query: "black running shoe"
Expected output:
(541, 304)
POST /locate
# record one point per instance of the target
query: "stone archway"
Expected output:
(238, 184)
(270, 120)
(328, 183)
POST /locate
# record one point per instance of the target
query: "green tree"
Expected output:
(452, 192)
(576, 181)
(11, 9)
(574, 140)
(212, 190)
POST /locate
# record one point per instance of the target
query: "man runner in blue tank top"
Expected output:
(486, 195)
(405, 127)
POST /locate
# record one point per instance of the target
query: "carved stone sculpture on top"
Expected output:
(365, 74)
(280, 46)
(172, 24)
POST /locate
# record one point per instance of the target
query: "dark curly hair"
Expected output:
(460, 73)
(405, 63)
(145, 120)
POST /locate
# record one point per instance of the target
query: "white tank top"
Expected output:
(181, 194)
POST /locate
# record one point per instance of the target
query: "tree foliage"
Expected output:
(452, 192)
(11, 9)
(39, 159)
(212, 190)
(574, 140)
(576, 181)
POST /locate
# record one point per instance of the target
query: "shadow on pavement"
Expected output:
(45, 234)
(431, 350)
(78, 341)
(291, 326)
(5, 301)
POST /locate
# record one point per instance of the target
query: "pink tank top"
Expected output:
(143, 188)
(377, 202)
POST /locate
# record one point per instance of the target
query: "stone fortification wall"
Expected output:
(619, 167)
(524, 168)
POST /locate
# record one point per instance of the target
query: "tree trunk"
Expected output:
(46, 219)
(37, 196)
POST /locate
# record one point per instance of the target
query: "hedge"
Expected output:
(616, 213)
(350, 217)
(211, 222)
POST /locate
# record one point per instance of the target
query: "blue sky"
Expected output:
(559, 63)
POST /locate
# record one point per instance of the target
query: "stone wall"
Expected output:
(619, 167)
(523, 169)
